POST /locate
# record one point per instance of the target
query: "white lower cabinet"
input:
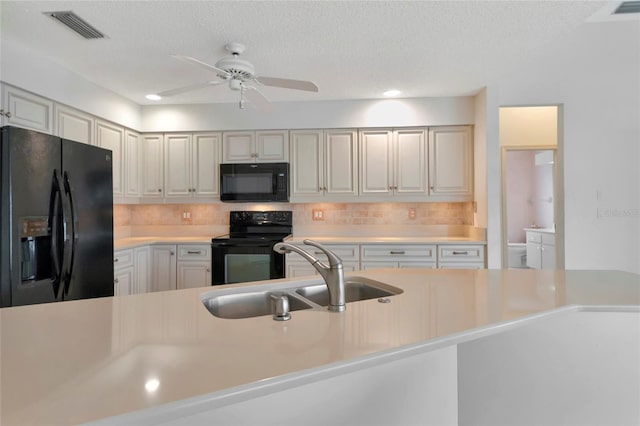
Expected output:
(456, 256)
(194, 266)
(541, 250)
(163, 267)
(296, 266)
(142, 267)
(123, 272)
(398, 256)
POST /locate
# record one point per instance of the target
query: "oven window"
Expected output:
(254, 183)
(241, 268)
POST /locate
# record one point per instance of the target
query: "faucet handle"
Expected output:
(334, 260)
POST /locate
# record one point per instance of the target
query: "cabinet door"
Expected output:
(110, 136)
(238, 147)
(194, 274)
(163, 268)
(123, 281)
(410, 162)
(300, 269)
(152, 165)
(376, 162)
(534, 255)
(307, 159)
(142, 263)
(378, 265)
(548, 256)
(451, 161)
(205, 164)
(74, 125)
(272, 146)
(341, 163)
(132, 162)
(24, 109)
(177, 166)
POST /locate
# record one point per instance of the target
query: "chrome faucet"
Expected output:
(333, 274)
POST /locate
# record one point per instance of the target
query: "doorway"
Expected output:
(532, 199)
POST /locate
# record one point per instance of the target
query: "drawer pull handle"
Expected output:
(396, 252)
(318, 252)
(194, 252)
(463, 253)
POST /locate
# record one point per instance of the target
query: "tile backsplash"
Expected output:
(340, 214)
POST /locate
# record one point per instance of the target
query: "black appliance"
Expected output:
(56, 230)
(246, 253)
(259, 182)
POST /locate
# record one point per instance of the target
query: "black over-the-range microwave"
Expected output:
(258, 182)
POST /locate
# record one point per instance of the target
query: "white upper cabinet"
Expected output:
(24, 109)
(451, 162)
(323, 164)
(191, 165)
(393, 163)
(255, 147)
(74, 125)
(110, 136)
(152, 152)
(133, 176)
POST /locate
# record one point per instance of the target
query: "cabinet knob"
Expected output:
(115, 260)
(116, 281)
(5, 113)
(172, 253)
(159, 190)
(208, 269)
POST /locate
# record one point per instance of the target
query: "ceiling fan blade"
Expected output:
(222, 73)
(257, 99)
(188, 88)
(288, 83)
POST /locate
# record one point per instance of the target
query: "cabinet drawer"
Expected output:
(122, 258)
(460, 265)
(419, 252)
(534, 237)
(194, 252)
(348, 253)
(549, 239)
(454, 253)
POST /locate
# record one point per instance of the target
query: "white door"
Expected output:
(152, 165)
(272, 146)
(341, 163)
(132, 163)
(194, 274)
(110, 136)
(74, 125)
(238, 147)
(451, 161)
(307, 160)
(123, 281)
(24, 109)
(163, 268)
(177, 166)
(142, 263)
(410, 162)
(205, 162)
(376, 162)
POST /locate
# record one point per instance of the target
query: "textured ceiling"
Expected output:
(351, 50)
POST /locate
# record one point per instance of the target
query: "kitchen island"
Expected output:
(165, 354)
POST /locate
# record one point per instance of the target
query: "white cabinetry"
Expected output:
(142, 267)
(152, 165)
(297, 266)
(541, 250)
(191, 165)
(163, 267)
(123, 272)
(194, 266)
(132, 173)
(451, 162)
(23, 109)
(393, 163)
(398, 256)
(74, 125)
(324, 165)
(255, 147)
(110, 136)
(455, 256)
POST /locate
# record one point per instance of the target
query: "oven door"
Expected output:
(237, 262)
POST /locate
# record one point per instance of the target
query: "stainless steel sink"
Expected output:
(256, 302)
(355, 290)
(248, 305)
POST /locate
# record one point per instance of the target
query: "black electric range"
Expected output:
(246, 253)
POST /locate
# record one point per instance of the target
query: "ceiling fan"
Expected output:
(240, 76)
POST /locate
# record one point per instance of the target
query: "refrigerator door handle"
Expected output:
(67, 237)
(73, 210)
(54, 225)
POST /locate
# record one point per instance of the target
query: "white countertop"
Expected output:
(543, 230)
(132, 242)
(72, 362)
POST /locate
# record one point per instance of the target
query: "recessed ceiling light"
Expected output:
(392, 92)
(153, 97)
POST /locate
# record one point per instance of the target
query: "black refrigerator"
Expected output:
(57, 219)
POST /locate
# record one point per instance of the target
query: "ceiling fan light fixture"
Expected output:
(391, 93)
(153, 97)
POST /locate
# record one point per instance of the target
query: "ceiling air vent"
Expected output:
(75, 23)
(628, 7)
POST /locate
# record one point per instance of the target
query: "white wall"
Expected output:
(593, 74)
(308, 115)
(23, 68)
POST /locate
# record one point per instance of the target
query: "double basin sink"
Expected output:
(255, 301)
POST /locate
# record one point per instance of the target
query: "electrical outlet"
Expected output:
(412, 213)
(186, 216)
(317, 214)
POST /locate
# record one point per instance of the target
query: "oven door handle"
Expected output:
(250, 245)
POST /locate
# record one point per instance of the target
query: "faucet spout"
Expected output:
(333, 274)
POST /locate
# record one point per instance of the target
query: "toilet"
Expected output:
(517, 253)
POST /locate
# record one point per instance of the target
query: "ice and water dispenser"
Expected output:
(35, 248)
